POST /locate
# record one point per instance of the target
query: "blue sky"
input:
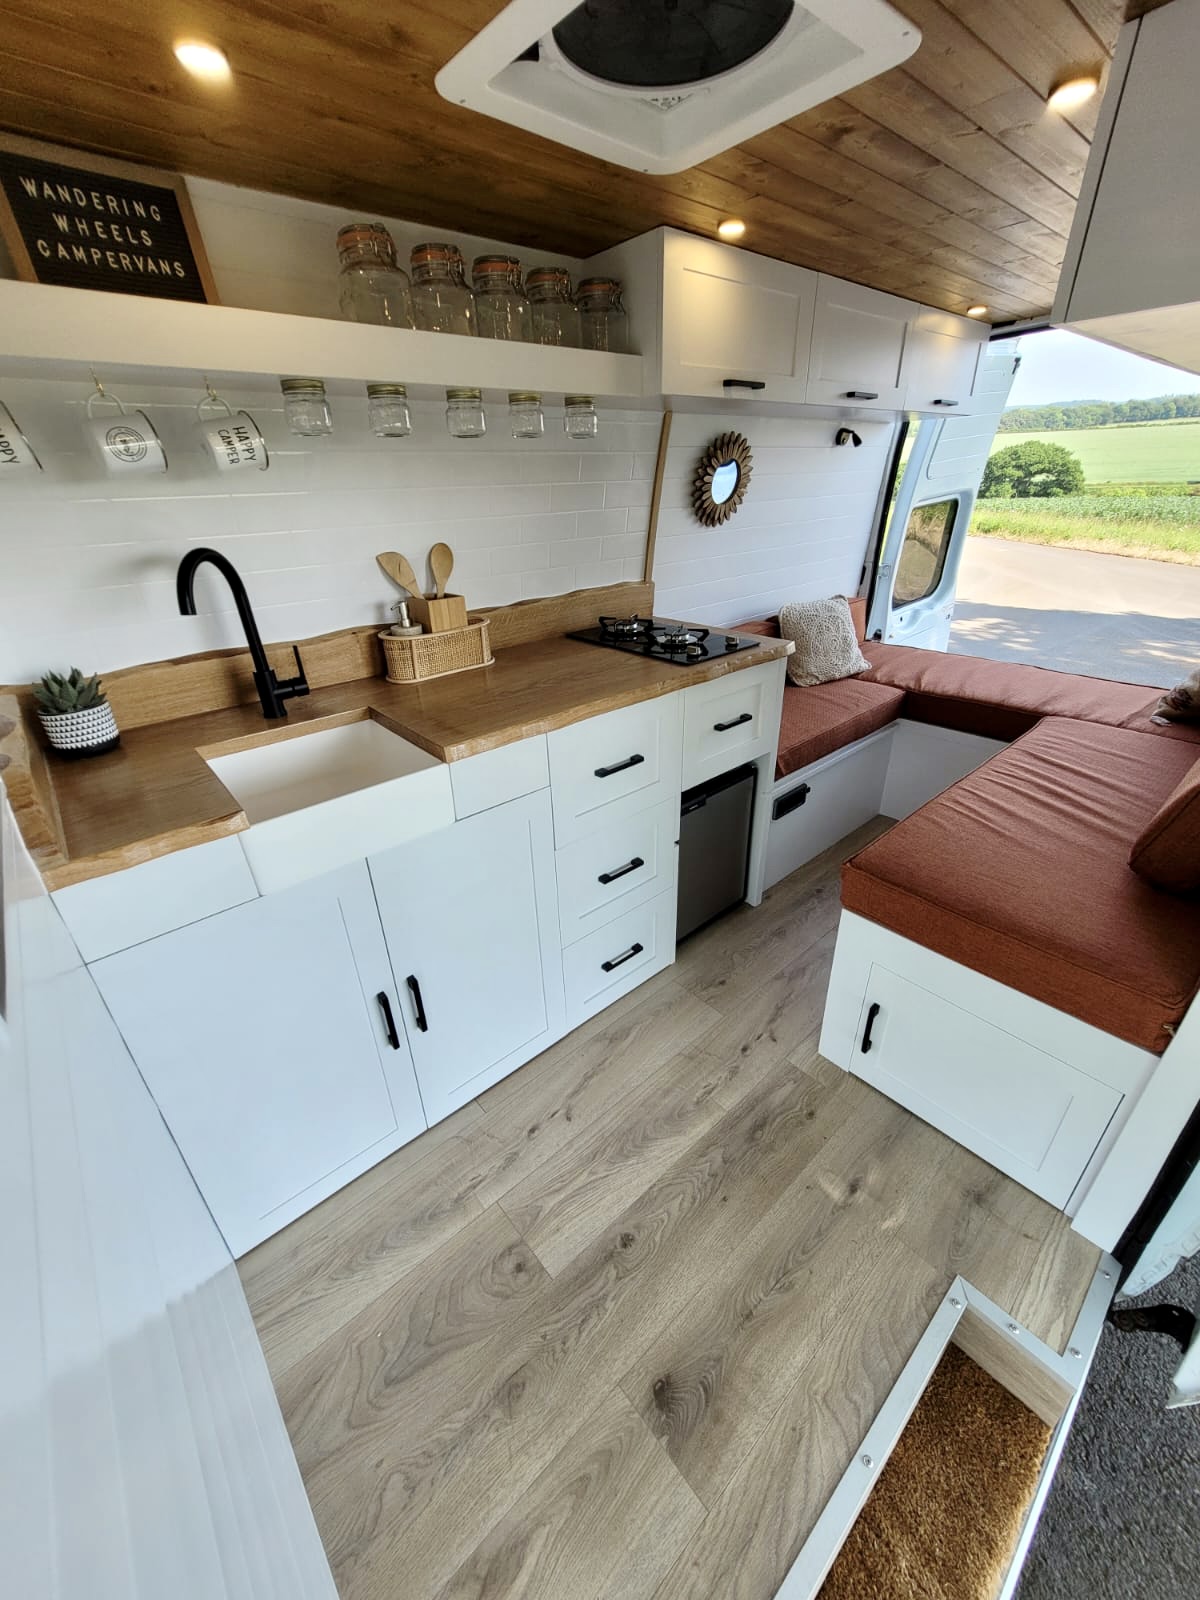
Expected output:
(1065, 366)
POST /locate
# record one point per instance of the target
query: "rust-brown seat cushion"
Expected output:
(822, 717)
(1003, 700)
(1021, 871)
(1167, 851)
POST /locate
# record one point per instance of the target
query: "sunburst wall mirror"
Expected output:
(721, 480)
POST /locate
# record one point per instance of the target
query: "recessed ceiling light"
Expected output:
(977, 311)
(203, 61)
(731, 228)
(1073, 93)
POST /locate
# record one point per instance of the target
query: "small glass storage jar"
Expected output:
(387, 410)
(501, 309)
(372, 287)
(442, 302)
(465, 417)
(579, 419)
(603, 322)
(305, 407)
(525, 414)
(555, 319)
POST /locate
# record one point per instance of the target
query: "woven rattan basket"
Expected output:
(435, 655)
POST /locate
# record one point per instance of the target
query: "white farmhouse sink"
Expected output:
(319, 800)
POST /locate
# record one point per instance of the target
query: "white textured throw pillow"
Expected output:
(825, 640)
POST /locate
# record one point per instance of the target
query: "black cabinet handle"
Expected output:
(945, 402)
(724, 727)
(861, 394)
(743, 383)
(418, 1004)
(630, 866)
(621, 766)
(619, 961)
(872, 1012)
(389, 1021)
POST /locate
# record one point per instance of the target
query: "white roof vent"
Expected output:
(659, 85)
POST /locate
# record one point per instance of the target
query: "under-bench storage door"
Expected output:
(1027, 1112)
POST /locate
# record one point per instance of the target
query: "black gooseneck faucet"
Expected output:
(273, 692)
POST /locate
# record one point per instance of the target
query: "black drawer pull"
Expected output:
(619, 961)
(861, 394)
(724, 727)
(630, 866)
(945, 402)
(389, 1021)
(872, 1012)
(418, 1004)
(792, 801)
(620, 766)
(743, 383)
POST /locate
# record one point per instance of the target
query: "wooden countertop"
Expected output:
(156, 794)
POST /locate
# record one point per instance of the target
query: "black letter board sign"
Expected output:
(85, 222)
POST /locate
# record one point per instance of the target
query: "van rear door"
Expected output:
(941, 465)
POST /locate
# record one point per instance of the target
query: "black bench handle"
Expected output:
(619, 961)
(630, 866)
(620, 766)
(872, 1012)
(724, 727)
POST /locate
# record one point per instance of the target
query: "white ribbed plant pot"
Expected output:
(81, 733)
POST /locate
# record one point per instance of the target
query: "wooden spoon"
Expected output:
(399, 570)
(441, 564)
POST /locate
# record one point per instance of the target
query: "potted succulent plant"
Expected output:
(76, 715)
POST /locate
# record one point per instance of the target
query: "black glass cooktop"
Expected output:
(685, 643)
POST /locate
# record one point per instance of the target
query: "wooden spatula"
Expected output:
(399, 570)
(441, 564)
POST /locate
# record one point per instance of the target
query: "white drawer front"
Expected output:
(616, 868)
(614, 765)
(481, 782)
(126, 908)
(610, 961)
(724, 723)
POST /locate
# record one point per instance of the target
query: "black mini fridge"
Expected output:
(714, 847)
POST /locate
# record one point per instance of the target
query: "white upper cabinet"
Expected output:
(734, 325)
(270, 1038)
(471, 919)
(946, 354)
(861, 347)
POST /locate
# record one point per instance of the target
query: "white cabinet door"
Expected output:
(261, 1037)
(1026, 1111)
(734, 325)
(471, 920)
(946, 356)
(860, 347)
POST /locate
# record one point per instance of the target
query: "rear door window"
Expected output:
(923, 554)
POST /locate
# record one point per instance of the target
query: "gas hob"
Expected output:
(686, 644)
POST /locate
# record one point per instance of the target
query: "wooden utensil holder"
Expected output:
(438, 616)
(436, 655)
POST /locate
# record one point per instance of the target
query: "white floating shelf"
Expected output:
(50, 331)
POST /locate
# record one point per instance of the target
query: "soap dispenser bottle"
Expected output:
(404, 627)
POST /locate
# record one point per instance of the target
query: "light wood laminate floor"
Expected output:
(613, 1331)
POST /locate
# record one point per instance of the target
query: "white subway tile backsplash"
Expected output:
(89, 560)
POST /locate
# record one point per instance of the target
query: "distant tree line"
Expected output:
(1097, 413)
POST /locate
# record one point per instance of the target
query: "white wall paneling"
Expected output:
(150, 1456)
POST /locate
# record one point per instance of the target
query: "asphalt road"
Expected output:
(1106, 616)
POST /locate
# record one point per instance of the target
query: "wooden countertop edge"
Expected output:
(30, 780)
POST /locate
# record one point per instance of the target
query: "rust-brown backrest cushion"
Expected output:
(1167, 851)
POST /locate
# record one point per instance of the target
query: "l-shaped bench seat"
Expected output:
(1001, 968)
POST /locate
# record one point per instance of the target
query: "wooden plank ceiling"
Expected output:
(945, 180)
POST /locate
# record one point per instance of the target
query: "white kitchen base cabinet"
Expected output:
(260, 1035)
(471, 920)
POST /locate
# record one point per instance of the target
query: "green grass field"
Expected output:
(1128, 452)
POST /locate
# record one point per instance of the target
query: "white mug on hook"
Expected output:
(233, 439)
(125, 441)
(15, 449)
